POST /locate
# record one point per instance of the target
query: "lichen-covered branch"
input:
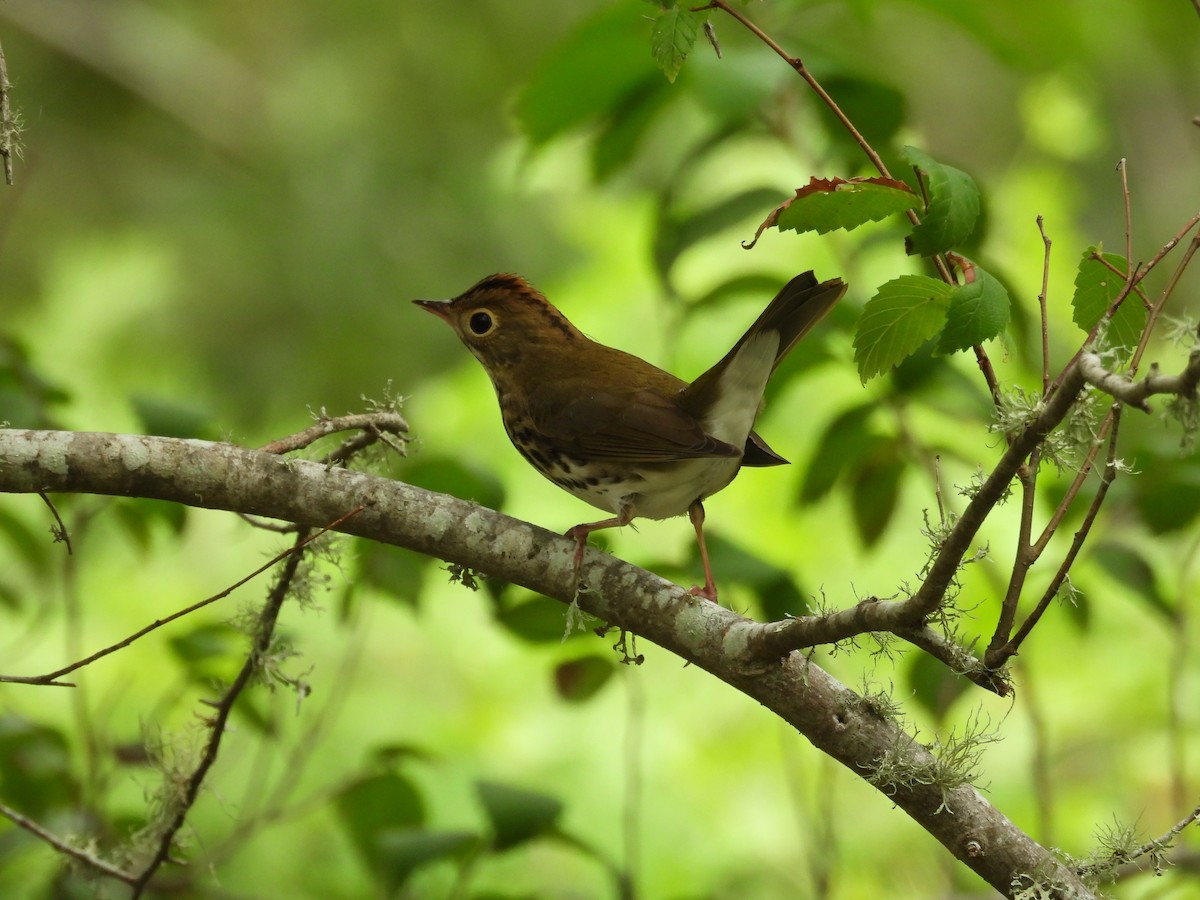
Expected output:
(831, 716)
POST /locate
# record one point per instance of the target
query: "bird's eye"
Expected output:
(481, 322)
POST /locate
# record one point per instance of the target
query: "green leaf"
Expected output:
(517, 815)
(1168, 498)
(382, 815)
(400, 852)
(450, 476)
(774, 586)
(953, 208)
(169, 419)
(1130, 568)
(139, 515)
(876, 108)
(675, 233)
(212, 652)
(1096, 287)
(935, 687)
(33, 547)
(538, 620)
(588, 75)
(578, 680)
(845, 441)
(903, 314)
(875, 490)
(978, 312)
(826, 204)
(35, 767)
(674, 35)
(620, 135)
(396, 573)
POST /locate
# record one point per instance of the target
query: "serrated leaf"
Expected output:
(517, 815)
(953, 208)
(1096, 287)
(674, 35)
(903, 314)
(826, 204)
(587, 76)
(978, 312)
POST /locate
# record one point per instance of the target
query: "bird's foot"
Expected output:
(708, 592)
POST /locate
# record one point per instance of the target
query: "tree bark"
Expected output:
(832, 717)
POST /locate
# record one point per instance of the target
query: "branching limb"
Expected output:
(254, 663)
(1134, 393)
(1001, 651)
(52, 678)
(375, 424)
(832, 717)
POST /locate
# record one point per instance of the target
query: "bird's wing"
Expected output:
(640, 425)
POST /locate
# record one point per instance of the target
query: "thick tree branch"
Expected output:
(834, 718)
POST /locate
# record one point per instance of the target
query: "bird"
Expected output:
(615, 430)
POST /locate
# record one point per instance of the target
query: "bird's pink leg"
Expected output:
(709, 591)
(580, 533)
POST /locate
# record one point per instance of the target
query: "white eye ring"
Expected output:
(481, 322)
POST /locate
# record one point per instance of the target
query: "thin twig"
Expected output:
(1001, 655)
(82, 856)
(1081, 476)
(1042, 304)
(1167, 291)
(254, 661)
(51, 678)
(798, 65)
(1159, 844)
(60, 533)
(1122, 168)
(376, 423)
(8, 125)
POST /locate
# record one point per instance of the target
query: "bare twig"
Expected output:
(1135, 393)
(254, 661)
(1122, 168)
(1163, 842)
(798, 65)
(375, 423)
(52, 678)
(8, 125)
(88, 859)
(60, 533)
(1042, 305)
(999, 654)
(1168, 290)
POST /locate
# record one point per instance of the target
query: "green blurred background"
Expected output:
(220, 217)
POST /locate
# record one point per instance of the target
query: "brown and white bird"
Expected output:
(614, 430)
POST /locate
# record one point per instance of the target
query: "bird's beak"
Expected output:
(440, 308)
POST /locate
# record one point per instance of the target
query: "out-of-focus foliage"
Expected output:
(220, 217)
